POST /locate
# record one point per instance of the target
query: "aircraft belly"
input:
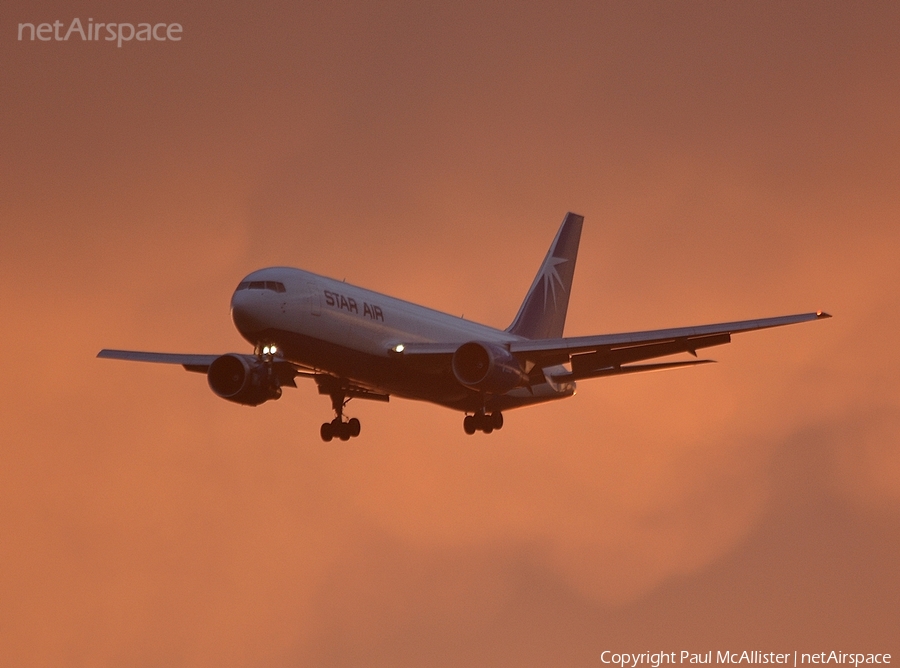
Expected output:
(392, 376)
(376, 372)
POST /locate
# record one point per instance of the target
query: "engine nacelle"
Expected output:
(243, 379)
(487, 367)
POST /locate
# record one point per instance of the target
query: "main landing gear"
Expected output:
(337, 428)
(481, 421)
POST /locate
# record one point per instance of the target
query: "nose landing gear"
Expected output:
(481, 421)
(337, 428)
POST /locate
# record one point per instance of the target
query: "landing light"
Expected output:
(269, 350)
(399, 348)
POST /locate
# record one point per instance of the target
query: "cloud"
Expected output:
(727, 166)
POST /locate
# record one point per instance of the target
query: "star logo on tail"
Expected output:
(551, 279)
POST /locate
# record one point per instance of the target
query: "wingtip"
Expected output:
(820, 315)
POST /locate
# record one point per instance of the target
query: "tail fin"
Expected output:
(543, 313)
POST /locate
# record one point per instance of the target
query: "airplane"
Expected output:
(359, 344)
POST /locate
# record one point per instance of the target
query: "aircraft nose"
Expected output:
(245, 312)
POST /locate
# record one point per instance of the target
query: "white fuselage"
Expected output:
(351, 333)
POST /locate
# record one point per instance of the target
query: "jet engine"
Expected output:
(487, 367)
(243, 379)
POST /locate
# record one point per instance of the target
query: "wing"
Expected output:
(198, 363)
(609, 354)
(287, 371)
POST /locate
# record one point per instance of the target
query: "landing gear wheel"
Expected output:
(354, 427)
(326, 432)
(496, 420)
(469, 425)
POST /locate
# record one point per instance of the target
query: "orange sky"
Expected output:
(732, 160)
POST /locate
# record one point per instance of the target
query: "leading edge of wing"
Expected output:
(582, 344)
(190, 362)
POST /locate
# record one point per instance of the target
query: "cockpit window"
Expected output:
(274, 286)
